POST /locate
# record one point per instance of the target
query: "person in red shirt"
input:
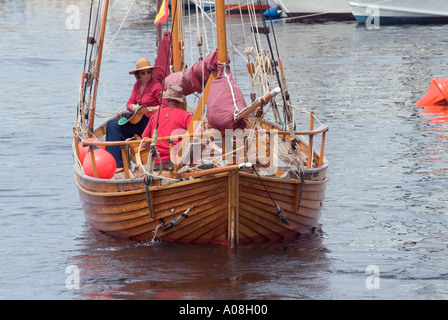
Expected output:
(171, 121)
(146, 91)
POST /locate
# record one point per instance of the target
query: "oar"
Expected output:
(260, 102)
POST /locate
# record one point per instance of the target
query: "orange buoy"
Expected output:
(84, 149)
(437, 93)
(104, 161)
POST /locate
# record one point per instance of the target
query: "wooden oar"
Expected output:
(260, 102)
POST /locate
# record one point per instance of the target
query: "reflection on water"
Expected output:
(437, 114)
(385, 203)
(122, 269)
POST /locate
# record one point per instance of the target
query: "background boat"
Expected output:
(317, 10)
(231, 6)
(234, 6)
(206, 5)
(401, 11)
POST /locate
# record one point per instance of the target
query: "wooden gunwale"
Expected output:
(268, 129)
(135, 143)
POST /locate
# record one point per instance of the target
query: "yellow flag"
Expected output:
(163, 13)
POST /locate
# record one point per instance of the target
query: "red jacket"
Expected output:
(150, 97)
(172, 121)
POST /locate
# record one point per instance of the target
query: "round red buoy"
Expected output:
(105, 164)
(84, 149)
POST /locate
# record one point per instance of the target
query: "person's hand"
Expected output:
(132, 107)
(142, 110)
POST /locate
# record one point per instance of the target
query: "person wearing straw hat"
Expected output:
(142, 104)
(172, 121)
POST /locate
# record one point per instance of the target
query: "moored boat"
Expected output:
(231, 6)
(206, 5)
(400, 11)
(235, 6)
(316, 11)
(264, 180)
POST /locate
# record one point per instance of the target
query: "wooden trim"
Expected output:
(322, 147)
(233, 209)
(124, 155)
(177, 32)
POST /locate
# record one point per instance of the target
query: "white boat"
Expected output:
(317, 10)
(400, 11)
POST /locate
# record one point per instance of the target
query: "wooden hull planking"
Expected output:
(239, 210)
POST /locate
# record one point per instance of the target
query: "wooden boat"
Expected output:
(265, 182)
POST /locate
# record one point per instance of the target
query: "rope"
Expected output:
(280, 212)
(150, 174)
(148, 181)
(119, 28)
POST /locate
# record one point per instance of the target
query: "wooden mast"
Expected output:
(98, 66)
(222, 58)
(233, 183)
(178, 39)
(221, 31)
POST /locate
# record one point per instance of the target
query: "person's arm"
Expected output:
(187, 120)
(147, 133)
(152, 97)
(132, 102)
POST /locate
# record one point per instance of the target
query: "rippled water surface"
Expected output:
(386, 203)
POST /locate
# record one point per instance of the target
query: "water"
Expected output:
(386, 206)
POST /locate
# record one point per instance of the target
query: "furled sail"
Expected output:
(195, 77)
(225, 100)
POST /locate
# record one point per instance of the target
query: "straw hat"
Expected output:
(142, 64)
(174, 93)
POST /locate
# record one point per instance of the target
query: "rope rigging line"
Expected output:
(121, 26)
(280, 211)
(80, 127)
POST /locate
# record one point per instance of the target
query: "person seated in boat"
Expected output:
(145, 98)
(172, 121)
